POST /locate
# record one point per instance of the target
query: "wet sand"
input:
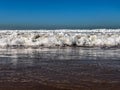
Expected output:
(60, 69)
(26, 86)
(38, 86)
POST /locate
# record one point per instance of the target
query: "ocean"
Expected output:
(61, 59)
(60, 38)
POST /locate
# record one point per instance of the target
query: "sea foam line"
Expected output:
(55, 38)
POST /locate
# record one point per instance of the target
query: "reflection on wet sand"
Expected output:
(62, 68)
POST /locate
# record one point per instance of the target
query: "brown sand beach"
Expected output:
(60, 69)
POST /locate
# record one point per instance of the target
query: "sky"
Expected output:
(60, 12)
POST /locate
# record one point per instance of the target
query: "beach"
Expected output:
(59, 44)
(66, 68)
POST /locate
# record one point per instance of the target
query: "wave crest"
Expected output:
(53, 38)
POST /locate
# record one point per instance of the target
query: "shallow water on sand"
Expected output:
(64, 68)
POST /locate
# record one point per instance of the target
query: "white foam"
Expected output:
(53, 38)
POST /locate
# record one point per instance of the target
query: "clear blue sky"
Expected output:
(75, 12)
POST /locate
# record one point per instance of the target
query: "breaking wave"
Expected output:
(60, 38)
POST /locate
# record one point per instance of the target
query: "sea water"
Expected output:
(72, 59)
(61, 38)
